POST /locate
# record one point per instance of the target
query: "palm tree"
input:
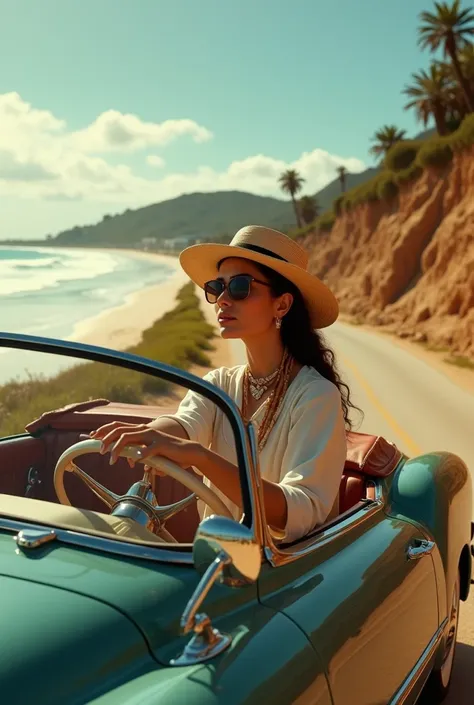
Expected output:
(291, 182)
(342, 173)
(466, 60)
(432, 94)
(385, 138)
(450, 28)
(309, 209)
(457, 108)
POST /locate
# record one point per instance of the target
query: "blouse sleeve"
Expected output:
(314, 460)
(196, 414)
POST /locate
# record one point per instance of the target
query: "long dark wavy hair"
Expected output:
(306, 345)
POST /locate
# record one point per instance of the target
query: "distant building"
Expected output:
(178, 243)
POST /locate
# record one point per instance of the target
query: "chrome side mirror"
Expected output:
(223, 550)
(218, 535)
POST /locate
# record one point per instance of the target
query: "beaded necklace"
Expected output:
(274, 401)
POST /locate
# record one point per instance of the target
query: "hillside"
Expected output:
(197, 215)
(404, 259)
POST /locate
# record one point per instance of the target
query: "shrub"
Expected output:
(435, 153)
(387, 187)
(325, 221)
(406, 176)
(464, 136)
(402, 154)
(301, 232)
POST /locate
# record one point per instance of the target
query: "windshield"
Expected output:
(57, 412)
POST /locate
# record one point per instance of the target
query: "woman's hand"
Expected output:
(116, 435)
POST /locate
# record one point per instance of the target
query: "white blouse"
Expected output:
(304, 453)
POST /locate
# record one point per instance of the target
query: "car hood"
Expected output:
(57, 645)
(149, 595)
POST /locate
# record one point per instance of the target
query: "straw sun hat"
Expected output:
(273, 249)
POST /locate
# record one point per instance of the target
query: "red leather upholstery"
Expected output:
(351, 490)
(367, 457)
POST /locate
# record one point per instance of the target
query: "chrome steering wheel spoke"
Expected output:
(107, 496)
(163, 513)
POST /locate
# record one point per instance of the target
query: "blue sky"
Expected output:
(110, 105)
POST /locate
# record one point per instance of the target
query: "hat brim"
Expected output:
(200, 264)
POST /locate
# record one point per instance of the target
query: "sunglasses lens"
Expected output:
(239, 287)
(213, 290)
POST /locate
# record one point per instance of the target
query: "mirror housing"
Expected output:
(217, 535)
(223, 550)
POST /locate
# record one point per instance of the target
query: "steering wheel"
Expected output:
(139, 503)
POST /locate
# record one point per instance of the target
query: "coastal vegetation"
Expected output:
(181, 338)
(443, 94)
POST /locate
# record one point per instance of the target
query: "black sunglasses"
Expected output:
(238, 287)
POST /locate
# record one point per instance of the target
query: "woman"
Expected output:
(290, 389)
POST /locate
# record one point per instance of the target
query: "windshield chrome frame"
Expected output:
(248, 472)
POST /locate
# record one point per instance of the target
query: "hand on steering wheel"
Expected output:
(117, 435)
(140, 494)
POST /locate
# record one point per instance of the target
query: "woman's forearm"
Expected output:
(225, 475)
(169, 426)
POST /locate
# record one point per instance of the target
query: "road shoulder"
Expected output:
(462, 377)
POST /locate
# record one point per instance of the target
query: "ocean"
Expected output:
(47, 291)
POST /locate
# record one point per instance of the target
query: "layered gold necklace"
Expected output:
(281, 377)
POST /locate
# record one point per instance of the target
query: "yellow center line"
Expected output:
(411, 445)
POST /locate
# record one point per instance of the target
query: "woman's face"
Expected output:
(254, 316)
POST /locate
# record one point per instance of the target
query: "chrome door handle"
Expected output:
(419, 548)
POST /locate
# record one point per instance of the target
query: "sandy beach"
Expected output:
(122, 326)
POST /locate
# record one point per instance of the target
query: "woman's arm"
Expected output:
(169, 426)
(168, 438)
(225, 475)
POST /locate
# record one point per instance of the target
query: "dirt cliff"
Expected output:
(408, 264)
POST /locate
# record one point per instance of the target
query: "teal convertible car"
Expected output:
(113, 593)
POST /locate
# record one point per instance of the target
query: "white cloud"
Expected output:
(19, 114)
(115, 131)
(41, 159)
(156, 161)
(14, 169)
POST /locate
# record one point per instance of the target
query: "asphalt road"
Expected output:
(420, 409)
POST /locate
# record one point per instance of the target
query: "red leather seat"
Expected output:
(367, 457)
(353, 489)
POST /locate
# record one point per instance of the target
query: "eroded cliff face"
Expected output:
(409, 265)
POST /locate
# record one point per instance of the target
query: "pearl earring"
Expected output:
(278, 323)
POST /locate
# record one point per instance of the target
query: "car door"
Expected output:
(367, 608)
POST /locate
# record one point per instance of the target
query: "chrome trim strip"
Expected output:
(255, 485)
(366, 509)
(98, 543)
(416, 673)
(277, 556)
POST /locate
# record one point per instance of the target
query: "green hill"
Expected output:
(194, 216)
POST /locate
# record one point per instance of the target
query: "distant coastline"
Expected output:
(56, 296)
(121, 326)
